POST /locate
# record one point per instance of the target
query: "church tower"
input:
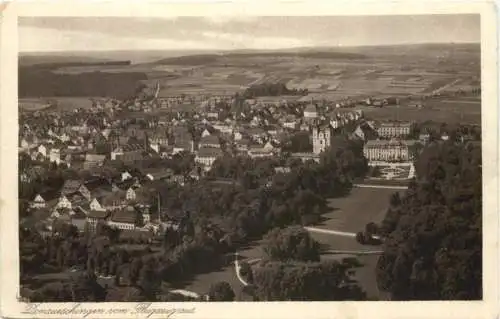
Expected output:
(321, 137)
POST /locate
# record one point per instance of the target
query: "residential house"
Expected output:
(44, 199)
(128, 153)
(94, 217)
(310, 112)
(207, 156)
(93, 161)
(211, 141)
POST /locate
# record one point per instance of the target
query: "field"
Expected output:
(334, 74)
(63, 103)
(448, 110)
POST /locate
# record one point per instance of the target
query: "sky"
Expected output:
(45, 34)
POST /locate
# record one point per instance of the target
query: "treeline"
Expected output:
(35, 82)
(271, 89)
(56, 65)
(433, 234)
(200, 59)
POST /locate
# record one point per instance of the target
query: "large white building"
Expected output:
(392, 150)
(394, 129)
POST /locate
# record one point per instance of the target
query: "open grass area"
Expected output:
(353, 212)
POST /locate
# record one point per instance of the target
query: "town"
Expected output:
(306, 175)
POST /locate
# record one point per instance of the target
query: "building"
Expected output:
(93, 161)
(310, 112)
(393, 129)
(210, 141)
(94, 217)
(124, 219)
(388, 151)
(321, 138)
(207, 156)
(128, 153)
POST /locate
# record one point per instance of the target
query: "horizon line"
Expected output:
(261, 49)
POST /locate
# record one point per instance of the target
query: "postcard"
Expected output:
(234, 160)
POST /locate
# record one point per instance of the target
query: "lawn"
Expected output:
(353, 212)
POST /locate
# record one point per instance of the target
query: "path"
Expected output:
(333, 232)
(381, 186)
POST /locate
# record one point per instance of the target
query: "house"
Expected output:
(94, 217)
(304, 157)
(155, 174)
(183, 145)
(206, 156)
(128, 153)
(242, 145)
(237, 135)
(159, 137)
(42, 149)
(205, 133)
(255, 151)
(93, 161)
(124, 218)
(43, 200)
(210, 141)
(310, 112)
(96, 205)
(131, 193)
(125, 176)
(114, 200)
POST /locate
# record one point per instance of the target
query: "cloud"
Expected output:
(248, 41)
(41, 39)
(225, 19)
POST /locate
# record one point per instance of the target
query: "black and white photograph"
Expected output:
(250, 158)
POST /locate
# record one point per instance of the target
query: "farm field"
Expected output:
(449, 111)
(63, 103)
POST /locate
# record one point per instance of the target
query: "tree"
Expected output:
(292, 243)
(317, 281)
(433, 245)
(221, 291)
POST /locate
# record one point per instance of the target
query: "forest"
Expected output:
(271, 89)
(37, 81)
(433, 234)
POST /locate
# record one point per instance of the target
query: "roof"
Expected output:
(129, 148)
(390, 143)
(394, 124)
(310, 108)
(97, 214)
(49, 194)
(125, 215)
(95, 158)
(209, 139)
(209, 152)
(71, 186)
